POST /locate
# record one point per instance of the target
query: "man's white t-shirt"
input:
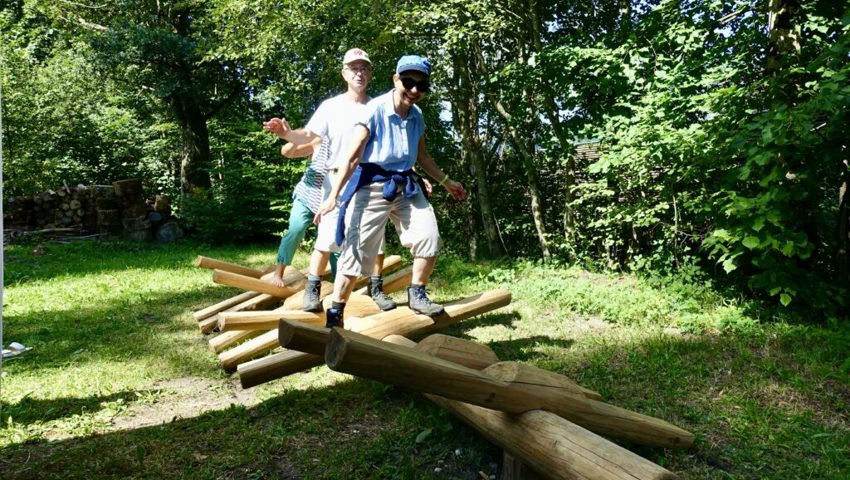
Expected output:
(334, 121)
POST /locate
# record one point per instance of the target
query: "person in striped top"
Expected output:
(306, 199)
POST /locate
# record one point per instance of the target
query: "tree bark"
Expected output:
(784, 30)
(195, 157)
(537, 210)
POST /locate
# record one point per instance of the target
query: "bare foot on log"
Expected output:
(277, 278)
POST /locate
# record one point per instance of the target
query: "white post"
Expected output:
(2, 240)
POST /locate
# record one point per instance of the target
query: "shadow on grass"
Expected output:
(733, 393)
(502, 318)
(527, 349)
(29, 410)
(353, 429)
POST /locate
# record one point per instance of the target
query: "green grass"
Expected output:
(116, 353)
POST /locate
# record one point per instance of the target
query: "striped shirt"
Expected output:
(309, 189)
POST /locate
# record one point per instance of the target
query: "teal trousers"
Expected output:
(300, 219)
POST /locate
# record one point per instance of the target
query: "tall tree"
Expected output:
(159, 47)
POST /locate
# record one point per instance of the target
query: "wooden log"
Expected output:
(226, 340)
(401, 321)
(259, 302)
(303, 337)
(533, 377)
(281, 364)
(250, 283)
(264, 320)
(268, 341)
(207, 325)
(357, 354)
(263, 343)
(470, 354)
(212, 310)
(262, 300)
(213, 264)
(546, 441)
(307, 338)
(554, 447)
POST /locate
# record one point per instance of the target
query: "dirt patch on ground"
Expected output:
(185, 397)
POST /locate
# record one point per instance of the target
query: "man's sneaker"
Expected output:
(382, 300)
(333, 318)
(419, 302)
(311, 301)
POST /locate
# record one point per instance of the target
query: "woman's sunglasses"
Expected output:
(423, 86)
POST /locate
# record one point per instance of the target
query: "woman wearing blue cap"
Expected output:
(388, 141)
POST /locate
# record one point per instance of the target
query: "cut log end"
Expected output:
(336, 350)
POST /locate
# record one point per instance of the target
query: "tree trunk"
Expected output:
(537, 211)
(551, 109)
(843, 227)
(466, 120)
(784, 30)
(195, 159)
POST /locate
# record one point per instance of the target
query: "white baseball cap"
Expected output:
(355, 54)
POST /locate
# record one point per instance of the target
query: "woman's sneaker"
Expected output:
(419, 302)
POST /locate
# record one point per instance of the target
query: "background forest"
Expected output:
(660, 136)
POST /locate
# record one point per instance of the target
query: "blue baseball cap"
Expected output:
(413, 62)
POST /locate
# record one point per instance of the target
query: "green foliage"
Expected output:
(721, 148)
(251, 195)
(63, 122)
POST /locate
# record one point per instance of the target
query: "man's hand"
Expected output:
(278, 126)
(327, 206)
(455, 189)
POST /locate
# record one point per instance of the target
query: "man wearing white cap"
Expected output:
(386, 144)
(334, 122)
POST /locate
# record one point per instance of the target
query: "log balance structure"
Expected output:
(548, 425)
(545, 420)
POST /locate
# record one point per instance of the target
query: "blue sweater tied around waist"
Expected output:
(367, 174)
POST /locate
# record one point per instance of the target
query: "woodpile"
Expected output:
(117, 209)
(548, 425)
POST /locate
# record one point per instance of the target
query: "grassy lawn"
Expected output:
(120, 383)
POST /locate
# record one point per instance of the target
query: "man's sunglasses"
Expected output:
(423, 86)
